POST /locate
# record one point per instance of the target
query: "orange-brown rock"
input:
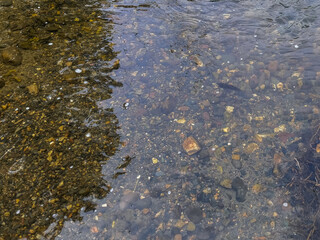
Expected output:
(191, 146)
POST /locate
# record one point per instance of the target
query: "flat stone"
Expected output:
(191, 227)
(226, 183)
(194, 214)
(33, 89)
(12, 56)
(191, 146)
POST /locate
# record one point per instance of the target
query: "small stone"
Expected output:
(236, 163)
(33, 89)
(168, 104)
(94, 229)
(241, 189)
(257, 188)
(194, 214)
(197, 60)
(281, 128)
(229, 109)
(251, 148)
(178, 237)
(235, 156)
(2, 84)
(5, 3)
(204, 154)
(226, 129)
(145, 211)
(191, 146)
(180, 224)
(273, 66)
(12, 56)
(318, 148)
(191, 227)
(226, 183)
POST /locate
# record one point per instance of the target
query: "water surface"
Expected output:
(95, 118)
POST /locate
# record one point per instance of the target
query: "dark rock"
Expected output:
(2, 84)
(241, 189)
(155, 192)
(142, 203)
(168, 105)
(207, 233)
(204, 154)
(177, 212)
(52, 27)
(25, 45)
(12, 56)
(216, 204)
(204, 197)
(5, 3)
(194, 214)
(236, 163)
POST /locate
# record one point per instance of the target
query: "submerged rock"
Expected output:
(241, 189)
(191, 146)
(194, 214)
(12, 56)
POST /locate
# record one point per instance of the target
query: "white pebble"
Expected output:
(88, 135)
(78, 70)
(50, 44)
(285, 204)
(296, 46)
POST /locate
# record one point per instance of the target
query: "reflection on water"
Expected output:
(54, 137)
(215, 105)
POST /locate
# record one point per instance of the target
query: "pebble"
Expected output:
(257, 188)
(236, 163)
(194, 214)
(12, 56)
(191, 146)
(178, 237)
(191, 227)
(204, 154)
(33, 89)
(241, 189)
(169, 104)
(226, 183)
(251, 148)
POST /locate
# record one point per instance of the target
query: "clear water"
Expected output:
(97, 152)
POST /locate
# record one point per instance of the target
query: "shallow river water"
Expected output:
(168, 119)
